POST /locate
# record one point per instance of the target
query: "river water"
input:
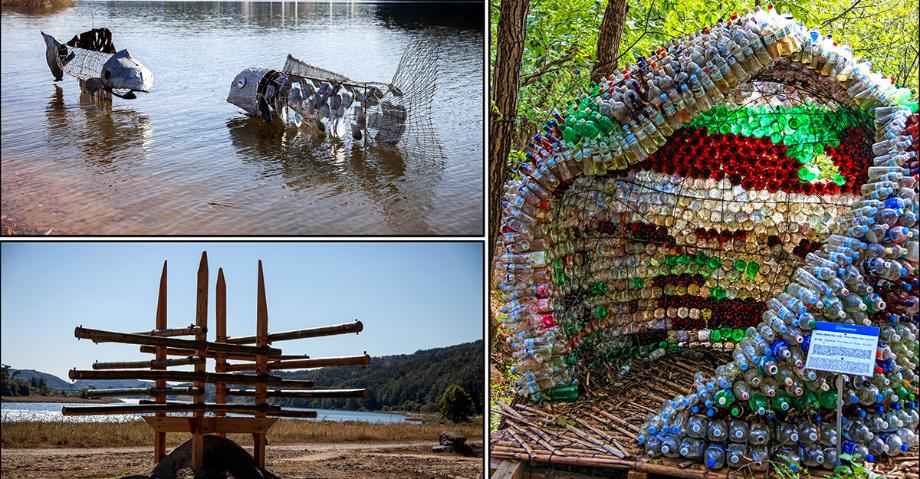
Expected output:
(181, 160)
(51, 412)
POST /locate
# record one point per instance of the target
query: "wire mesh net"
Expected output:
(396, 113)
(84, 64)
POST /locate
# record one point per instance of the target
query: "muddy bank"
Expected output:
(290, 461)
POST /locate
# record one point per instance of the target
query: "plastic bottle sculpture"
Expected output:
(691, 199)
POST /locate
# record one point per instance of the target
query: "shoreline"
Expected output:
(56, 399)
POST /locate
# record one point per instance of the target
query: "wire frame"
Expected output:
(85, 64)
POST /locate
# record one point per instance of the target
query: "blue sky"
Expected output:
(409, 296)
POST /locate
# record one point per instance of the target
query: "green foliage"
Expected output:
(456, 405)
(405, 380)
(501, 389)
(561, 40)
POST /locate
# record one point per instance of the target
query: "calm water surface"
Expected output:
(51, 412)
(180, 160)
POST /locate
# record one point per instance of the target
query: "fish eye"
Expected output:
(106, 74)
(241, 83)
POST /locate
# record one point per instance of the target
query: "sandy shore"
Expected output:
(412, 460)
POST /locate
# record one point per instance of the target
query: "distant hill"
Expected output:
(405, 381)
(58, 384)
(408, 382)
(52, 381)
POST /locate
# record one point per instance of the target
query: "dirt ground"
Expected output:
(290, 461)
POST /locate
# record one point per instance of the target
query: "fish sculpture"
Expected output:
(91, 57)
(302, 93)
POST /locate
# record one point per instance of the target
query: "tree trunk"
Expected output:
(608, 39)
(505, 82)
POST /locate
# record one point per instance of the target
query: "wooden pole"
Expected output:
(213, 354)
(201, 320)
(261, 367)
(221, 359)
(154, 364)
(307, 394)
(183, 376)
(290, 413)
(344, 328)
(168, 333)
(100, 336)
(159, 440)
(362, 360)
(167, 391)
(175, 407)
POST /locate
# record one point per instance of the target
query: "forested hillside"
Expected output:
(405, 382)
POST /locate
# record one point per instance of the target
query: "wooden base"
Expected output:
(198, 427)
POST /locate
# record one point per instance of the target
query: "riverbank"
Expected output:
(58, 399)
(369, 460)
(34, 434)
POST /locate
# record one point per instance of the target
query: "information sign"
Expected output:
(843, 348)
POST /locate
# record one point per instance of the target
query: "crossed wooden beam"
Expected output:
(257, 356)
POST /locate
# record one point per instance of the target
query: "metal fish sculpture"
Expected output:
(302, 93)
(91, 58)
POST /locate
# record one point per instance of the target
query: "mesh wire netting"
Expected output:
(401, 115)
(85, 64)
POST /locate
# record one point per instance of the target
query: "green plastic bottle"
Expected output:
(781, 403)
(758, 403)
(828, 399)
(724, 398)
(564, 393)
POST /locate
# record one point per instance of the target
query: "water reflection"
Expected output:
(104, 135)
(305, 158)
(148, 165)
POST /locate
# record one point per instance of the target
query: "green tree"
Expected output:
(456, 404)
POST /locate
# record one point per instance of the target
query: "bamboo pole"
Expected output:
(309, 394)
(182, 376)
(155, 391)
(291, 413)
(154, 364)
(149, 408)
(213, 354)
(159, 440)
(201, 320)
(220, 306)
(344, 328)
(362, 360)
(167, 333)
(99, 336)
(261, 367)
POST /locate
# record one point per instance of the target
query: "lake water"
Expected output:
(51, 412)
(181, 160)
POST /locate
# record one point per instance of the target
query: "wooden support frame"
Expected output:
(256, 351)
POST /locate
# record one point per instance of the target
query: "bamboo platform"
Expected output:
(595, 436)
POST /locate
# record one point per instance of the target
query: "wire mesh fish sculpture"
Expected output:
(395, 113)
(91, 58)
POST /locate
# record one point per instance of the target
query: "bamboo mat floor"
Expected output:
(597, 432)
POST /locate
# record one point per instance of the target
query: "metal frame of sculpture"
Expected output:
(102, 71)
(255, 352)
(397, 113)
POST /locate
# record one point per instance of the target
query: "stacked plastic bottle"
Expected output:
(615, 133)
(866, 274)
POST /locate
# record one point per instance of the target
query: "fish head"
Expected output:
(122, 72)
